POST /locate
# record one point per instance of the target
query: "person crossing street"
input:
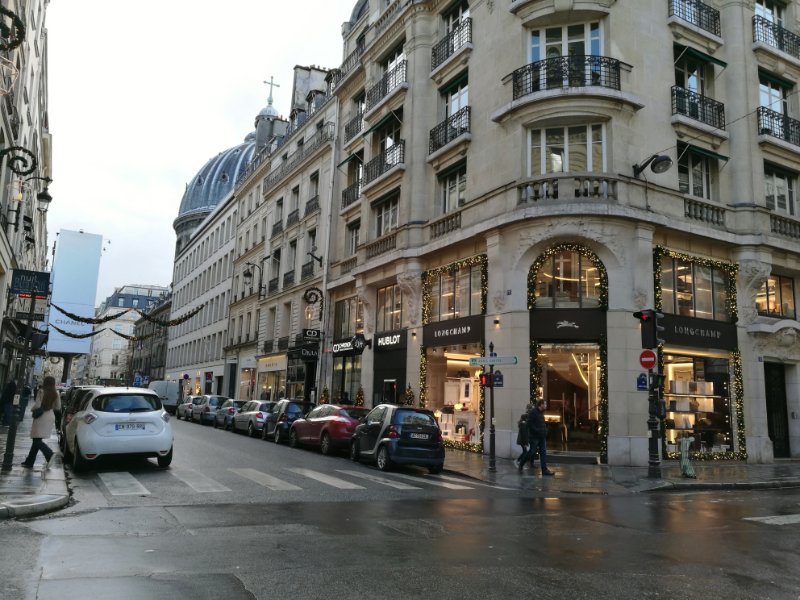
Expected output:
(537, 432)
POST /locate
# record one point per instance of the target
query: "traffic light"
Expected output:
(486, 380)
(652, 332)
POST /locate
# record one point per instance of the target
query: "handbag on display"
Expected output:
(37, 412)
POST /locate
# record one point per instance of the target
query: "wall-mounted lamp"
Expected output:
(659, 163)
(497, 322)
(414, 334)
(248, 279)
(314, 256)
(44, 198)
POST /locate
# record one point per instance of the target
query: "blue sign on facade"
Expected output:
(498, 379)
(641, 382)
(137, 380)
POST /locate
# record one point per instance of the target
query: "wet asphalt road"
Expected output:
(242, 518)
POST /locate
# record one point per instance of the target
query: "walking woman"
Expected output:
(47, 401)
(523, 440)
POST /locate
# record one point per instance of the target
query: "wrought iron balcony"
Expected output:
(448, 130)
(454, 40)
(778, 126)
(351, 193)
(288, 278)
(776, 36)
(268, 346)
(307, 270)
(389, 81)
(698, 107)
(293, 217)
(391, 157)
(350, 63)
(697, 13)
(283, 343)
(312, 205)
(277, 228)
(353, 126)
(272, 286)
(566, 72)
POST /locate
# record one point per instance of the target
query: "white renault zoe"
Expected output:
(119, 421)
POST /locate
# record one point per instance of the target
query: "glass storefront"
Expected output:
(570, 385)
(247, 384)
(453, 391)
(346, 379)
(271, 385)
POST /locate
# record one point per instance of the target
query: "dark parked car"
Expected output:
(281, 418)
(224, 416)
(328, 426)
(399, 435)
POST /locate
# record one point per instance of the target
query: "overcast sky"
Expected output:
(142, 93)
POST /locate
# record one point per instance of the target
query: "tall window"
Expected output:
(694, 173)
(453, 189)
(572, 40)
(390, 308)
(386, 217)
(772, 94)
(291, 256)
(279, 210)
(397, 56)
(313, 185)
(771, 10)
(353, 233)
(567, 149)
(776, 297)
(456, 294)
(348, 318)
(567, 280)
(690, 72)
(779, 190)
(454, 18)
(691, 289)
(456, 97)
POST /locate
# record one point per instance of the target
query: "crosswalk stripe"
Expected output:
(381, 480)
(430, 481)
(268, 481)
(478, 483)
(197, 481)
(776, 519)
(122, 484)
(327, 479)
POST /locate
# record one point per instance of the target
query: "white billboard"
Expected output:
(75, 271)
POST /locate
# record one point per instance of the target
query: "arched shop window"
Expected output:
(568, 279)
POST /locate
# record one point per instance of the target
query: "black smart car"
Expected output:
(400, 435)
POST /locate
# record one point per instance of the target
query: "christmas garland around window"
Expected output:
(568, 247)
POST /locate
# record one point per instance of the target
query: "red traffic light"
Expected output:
(643, 315)
(484, 379)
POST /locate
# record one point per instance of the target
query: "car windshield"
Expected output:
(126, 403)
(412, 417)
(353, 413)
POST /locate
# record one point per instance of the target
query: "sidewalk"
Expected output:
(30, 492)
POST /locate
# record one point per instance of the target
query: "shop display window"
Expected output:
(697, 397)
(454, 392)
(456, 294)
(690, 289)
(568, 280)
(775, 298)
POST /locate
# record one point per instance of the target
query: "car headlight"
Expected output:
(165, 416)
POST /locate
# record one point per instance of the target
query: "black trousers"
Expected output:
(36, 445)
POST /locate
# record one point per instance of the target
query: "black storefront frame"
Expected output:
(389, 363)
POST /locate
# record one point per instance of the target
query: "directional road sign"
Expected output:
(492, 360)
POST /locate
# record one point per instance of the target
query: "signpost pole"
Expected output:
(492, 464)
(654, 462)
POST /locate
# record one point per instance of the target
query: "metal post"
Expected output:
(8, 457)
(654, 461)
(492, 465)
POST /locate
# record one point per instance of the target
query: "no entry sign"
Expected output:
(647, 359)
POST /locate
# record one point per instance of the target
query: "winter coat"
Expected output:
(522, 433)
(537, 428)
(43, 426)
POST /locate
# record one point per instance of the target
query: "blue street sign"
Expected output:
(641, 382)
(137, 380)
(498, 379)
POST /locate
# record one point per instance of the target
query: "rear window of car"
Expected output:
(118, 403)
(353, 413)
(266, 406)
(216, 400)
(412, 417)
(239, 403)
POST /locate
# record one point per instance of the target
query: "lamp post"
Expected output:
(248, 279)
(44, 198)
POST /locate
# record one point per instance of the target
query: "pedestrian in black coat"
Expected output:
(7, 401)
(523, 440)
(537, 431)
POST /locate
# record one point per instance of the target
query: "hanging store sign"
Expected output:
(567, 324)
(312, 335)
(306, 353)
(699, 333)
(350, 347)
(30, 283)
(390, 340)
(467, 330)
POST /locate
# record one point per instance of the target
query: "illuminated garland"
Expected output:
(171, 322)
(730, 269)
(603, 405)
(423, 377)
(13, 34)
(360, 396)
(77, 336)
(568, 247)
(90, 320)
(429, 277)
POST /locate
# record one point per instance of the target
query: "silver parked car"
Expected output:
(184, 410)
(206, 411)
(225, 413)
(251, 417)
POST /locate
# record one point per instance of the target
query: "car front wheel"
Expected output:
(276, 435)
(354, 452)
(383, 459)
(293, 441)
(251, 431)
(325, 444)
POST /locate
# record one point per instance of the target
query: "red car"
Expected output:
(329, 426)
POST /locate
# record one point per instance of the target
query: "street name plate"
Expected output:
(23, 315)
(492, 360)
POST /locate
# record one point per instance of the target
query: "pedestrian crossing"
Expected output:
(286, 480)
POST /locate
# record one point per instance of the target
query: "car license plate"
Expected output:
(129, 426)
(418, 436)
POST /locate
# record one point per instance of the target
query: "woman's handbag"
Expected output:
(37, 412)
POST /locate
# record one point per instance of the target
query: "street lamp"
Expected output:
(314, 256)
(248, 279)
(44, 196)
(659, 163)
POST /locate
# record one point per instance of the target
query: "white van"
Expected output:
(169, 392)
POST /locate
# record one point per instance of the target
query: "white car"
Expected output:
(119, 421)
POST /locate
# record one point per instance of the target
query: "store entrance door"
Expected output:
(777, 418)
(389, 391)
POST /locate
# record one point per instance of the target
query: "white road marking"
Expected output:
(197, 481)
(776, 519)
(268, 481)
(430, 481)
(381, 480)
(122, 484)
(478, 483)
(327, 479)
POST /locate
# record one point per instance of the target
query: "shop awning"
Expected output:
(702, 56)
(707, 153)
(381, 122)
(779, 81)
(347, 160)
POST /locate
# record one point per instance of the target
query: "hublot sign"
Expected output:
(390, 340)
(699, 333)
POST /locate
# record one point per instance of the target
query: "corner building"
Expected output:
(502, 178)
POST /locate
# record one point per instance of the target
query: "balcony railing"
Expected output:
(391, 157)
(445, 225)
(288, 278)
(351, 193)
(312, 205)
(776, 36)
(566, 72)
(448, 130)
(389, 81)
(268, 346)
(293, 217)
(277, 228)
(778, 126)
(568, 187)
(272, 286)
(320, 138)
(786, 227)
(701, 211)
(384, 244)
(353, 126)
(698, 107)
(350, 63)
(348, 265)
(283, 343)
(306, 271)
(697, 13)
(454, 40)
